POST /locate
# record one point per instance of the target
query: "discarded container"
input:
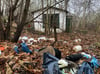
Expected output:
(20, 38)
(35, 41)
(30, 41)
(2, 48)
(42, 38)
(77, 48)
(62, 63)
(51, 39)
(24, 38)
(77, 40)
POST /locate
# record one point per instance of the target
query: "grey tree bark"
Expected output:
(22, 24)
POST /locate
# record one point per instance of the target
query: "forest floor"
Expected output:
(9, 61)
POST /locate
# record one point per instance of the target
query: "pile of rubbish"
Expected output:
(79, 62)
(53, 65)
(27, 56)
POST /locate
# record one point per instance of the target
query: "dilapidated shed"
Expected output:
(53, 16)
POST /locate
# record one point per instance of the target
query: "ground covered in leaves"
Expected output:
(24, 63)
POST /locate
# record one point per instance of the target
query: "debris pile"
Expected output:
(14, 57)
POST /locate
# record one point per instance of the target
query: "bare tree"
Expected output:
(84, 11)
(11, 17)
(2, 27)
(66, 7)
(22, 24)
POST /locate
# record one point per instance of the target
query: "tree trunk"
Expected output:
(55, 33)
(1, 25)
(47, 28)
(10, 18)
(66, 5)
(1, 30)
(21, 25)
(21, 11)
(54, 27)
